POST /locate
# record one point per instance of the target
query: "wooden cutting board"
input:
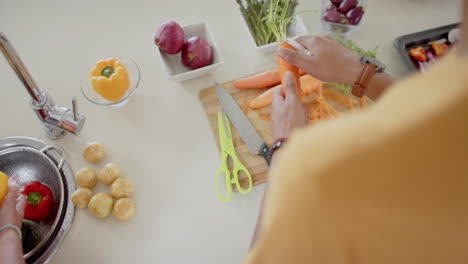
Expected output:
(255, 164)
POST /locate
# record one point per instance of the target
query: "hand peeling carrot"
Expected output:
(284, 66)
(308, 83)
(261, 80)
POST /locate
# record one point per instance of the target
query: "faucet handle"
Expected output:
(75, 108)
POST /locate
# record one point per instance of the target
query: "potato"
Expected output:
(109, 173)
(86, 178)
(94, 152)
(124, 209)
(81, 197)
(101, 205)
(121, 188)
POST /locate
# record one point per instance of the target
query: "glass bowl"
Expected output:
(95, 98)
(338, 29)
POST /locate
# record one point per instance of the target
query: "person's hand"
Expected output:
(287, 111)
(12, 208)
(329, 61)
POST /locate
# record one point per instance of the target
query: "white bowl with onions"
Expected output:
(189, 53)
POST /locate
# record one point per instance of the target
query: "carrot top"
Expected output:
(280, 15)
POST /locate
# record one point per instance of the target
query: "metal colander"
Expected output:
(30, 164)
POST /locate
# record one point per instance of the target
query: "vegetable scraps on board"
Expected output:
(255, 12)
(39, 201)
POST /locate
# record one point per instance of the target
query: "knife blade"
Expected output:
(255, 144)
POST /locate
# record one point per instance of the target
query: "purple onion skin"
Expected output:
(334, 16)
(169, 37)
(355, 15)
(336, 2)
(331, 7)
(347, 5)
(197, 53)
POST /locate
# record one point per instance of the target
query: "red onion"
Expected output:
(335, 17)
(169, 37)
(337, 2)
(347, 5)
(354, 16)
(197, 53)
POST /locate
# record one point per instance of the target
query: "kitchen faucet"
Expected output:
(55, 119)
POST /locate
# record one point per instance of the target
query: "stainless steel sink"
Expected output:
(33, 160)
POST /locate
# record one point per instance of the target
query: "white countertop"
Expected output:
(161, 138)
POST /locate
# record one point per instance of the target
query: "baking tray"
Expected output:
(404, 43)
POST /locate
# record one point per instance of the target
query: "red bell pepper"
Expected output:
(39, 202)
(418, 53)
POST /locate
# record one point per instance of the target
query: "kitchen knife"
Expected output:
(246, 130)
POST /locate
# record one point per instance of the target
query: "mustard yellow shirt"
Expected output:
(387, 185)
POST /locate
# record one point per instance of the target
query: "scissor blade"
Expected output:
(242, 124)
(227, 131)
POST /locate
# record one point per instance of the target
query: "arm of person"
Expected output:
(332, 62)
(11, 213)
(287, 115)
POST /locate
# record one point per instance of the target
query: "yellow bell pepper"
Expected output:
(110, 79)
(3, 186)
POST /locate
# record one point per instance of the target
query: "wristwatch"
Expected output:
(371, 66)
(276, 145)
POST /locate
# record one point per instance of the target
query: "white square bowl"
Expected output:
(295, 30)
(172, 63)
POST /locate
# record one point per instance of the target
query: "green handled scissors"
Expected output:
(227, 150)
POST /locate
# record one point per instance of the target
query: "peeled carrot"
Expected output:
(261, 80)
(264, 99)
(284, 66)
(308, 85)
(265, 117)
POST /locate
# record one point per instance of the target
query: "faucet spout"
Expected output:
(55, 119)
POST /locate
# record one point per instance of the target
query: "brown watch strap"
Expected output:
(360, 86)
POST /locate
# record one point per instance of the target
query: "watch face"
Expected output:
(380, 66)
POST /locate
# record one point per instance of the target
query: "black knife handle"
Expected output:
(264, 153)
